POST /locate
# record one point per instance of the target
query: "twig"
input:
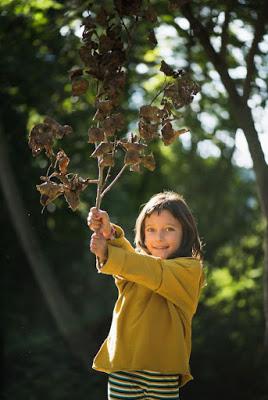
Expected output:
(158, 94)
(99, 187)
(259, 32)
(113, 182)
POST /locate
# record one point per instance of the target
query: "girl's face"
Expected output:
(163, 234)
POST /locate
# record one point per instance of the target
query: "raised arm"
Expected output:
(178, 280)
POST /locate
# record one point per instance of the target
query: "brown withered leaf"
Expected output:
(135, 168)
(166, 69)
(63, 161)
(150, 114)
(73, 189)
(169, 71)
(102, 148)
(75, 72)
(148, 131)
(132, 157)
(72, 198)
(105, 106)
(49, 191)
(115, 121)
(79, 86)
(133, 146)
(95, 135)
(169, 135)
(181, 92)
(57, 129)
(106, 44)
(149, 162)
(107, 160)
(41, 137)
(114, 84)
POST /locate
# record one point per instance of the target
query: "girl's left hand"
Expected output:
(99, 247)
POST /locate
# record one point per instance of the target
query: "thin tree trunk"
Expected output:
(66, 320)
(244, 120)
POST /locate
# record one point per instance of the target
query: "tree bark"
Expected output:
(66, 320)
(244, 120)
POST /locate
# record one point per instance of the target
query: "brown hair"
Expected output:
(191, 245)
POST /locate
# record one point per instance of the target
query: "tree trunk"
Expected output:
(243, 116)
(67, 322)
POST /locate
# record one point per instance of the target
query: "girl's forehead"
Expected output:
(163, 216)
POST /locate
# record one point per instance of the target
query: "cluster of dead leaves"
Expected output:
(104, 53)
(61, 183)
(156, 122)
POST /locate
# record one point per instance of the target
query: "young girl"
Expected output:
(147, 351)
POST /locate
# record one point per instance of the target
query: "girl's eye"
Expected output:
(149, 229)
(169, 229)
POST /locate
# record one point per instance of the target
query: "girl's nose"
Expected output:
(159, 235)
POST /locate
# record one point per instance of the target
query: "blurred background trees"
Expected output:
(39, 42)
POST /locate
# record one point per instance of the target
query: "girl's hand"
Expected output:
(99, 221)
(99, 247)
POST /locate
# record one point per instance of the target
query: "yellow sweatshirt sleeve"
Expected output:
(120, 239)
(179, 280)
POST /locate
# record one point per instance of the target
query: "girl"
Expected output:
(147, 351)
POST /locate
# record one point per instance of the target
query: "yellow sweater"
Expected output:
(151, 325)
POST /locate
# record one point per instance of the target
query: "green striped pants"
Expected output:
(142, 385)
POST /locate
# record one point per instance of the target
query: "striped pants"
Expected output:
(142, 385)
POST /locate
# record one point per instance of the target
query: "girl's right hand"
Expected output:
(99, 221)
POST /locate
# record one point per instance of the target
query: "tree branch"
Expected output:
(259, 32)
(113, 182)
(216, 58)
(225, 26)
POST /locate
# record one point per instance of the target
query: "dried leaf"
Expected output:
(49, 191)
(149, 162)
(103, 148)
(41, 137)
(72, 198)
(107, 160)
(181, 92)
(169, 135)
(63, 161)
(95, 135)
(148, 131)
(132, 157)
(115, 121)
(133, 146)
(150, 114)
(135, 168)
(75, 72)
(79, 86)
(105, 106)
(57, 129)
(168, 71)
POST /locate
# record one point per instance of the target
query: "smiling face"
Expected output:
(163, 234)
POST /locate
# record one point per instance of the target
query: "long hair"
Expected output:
(191, 245)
